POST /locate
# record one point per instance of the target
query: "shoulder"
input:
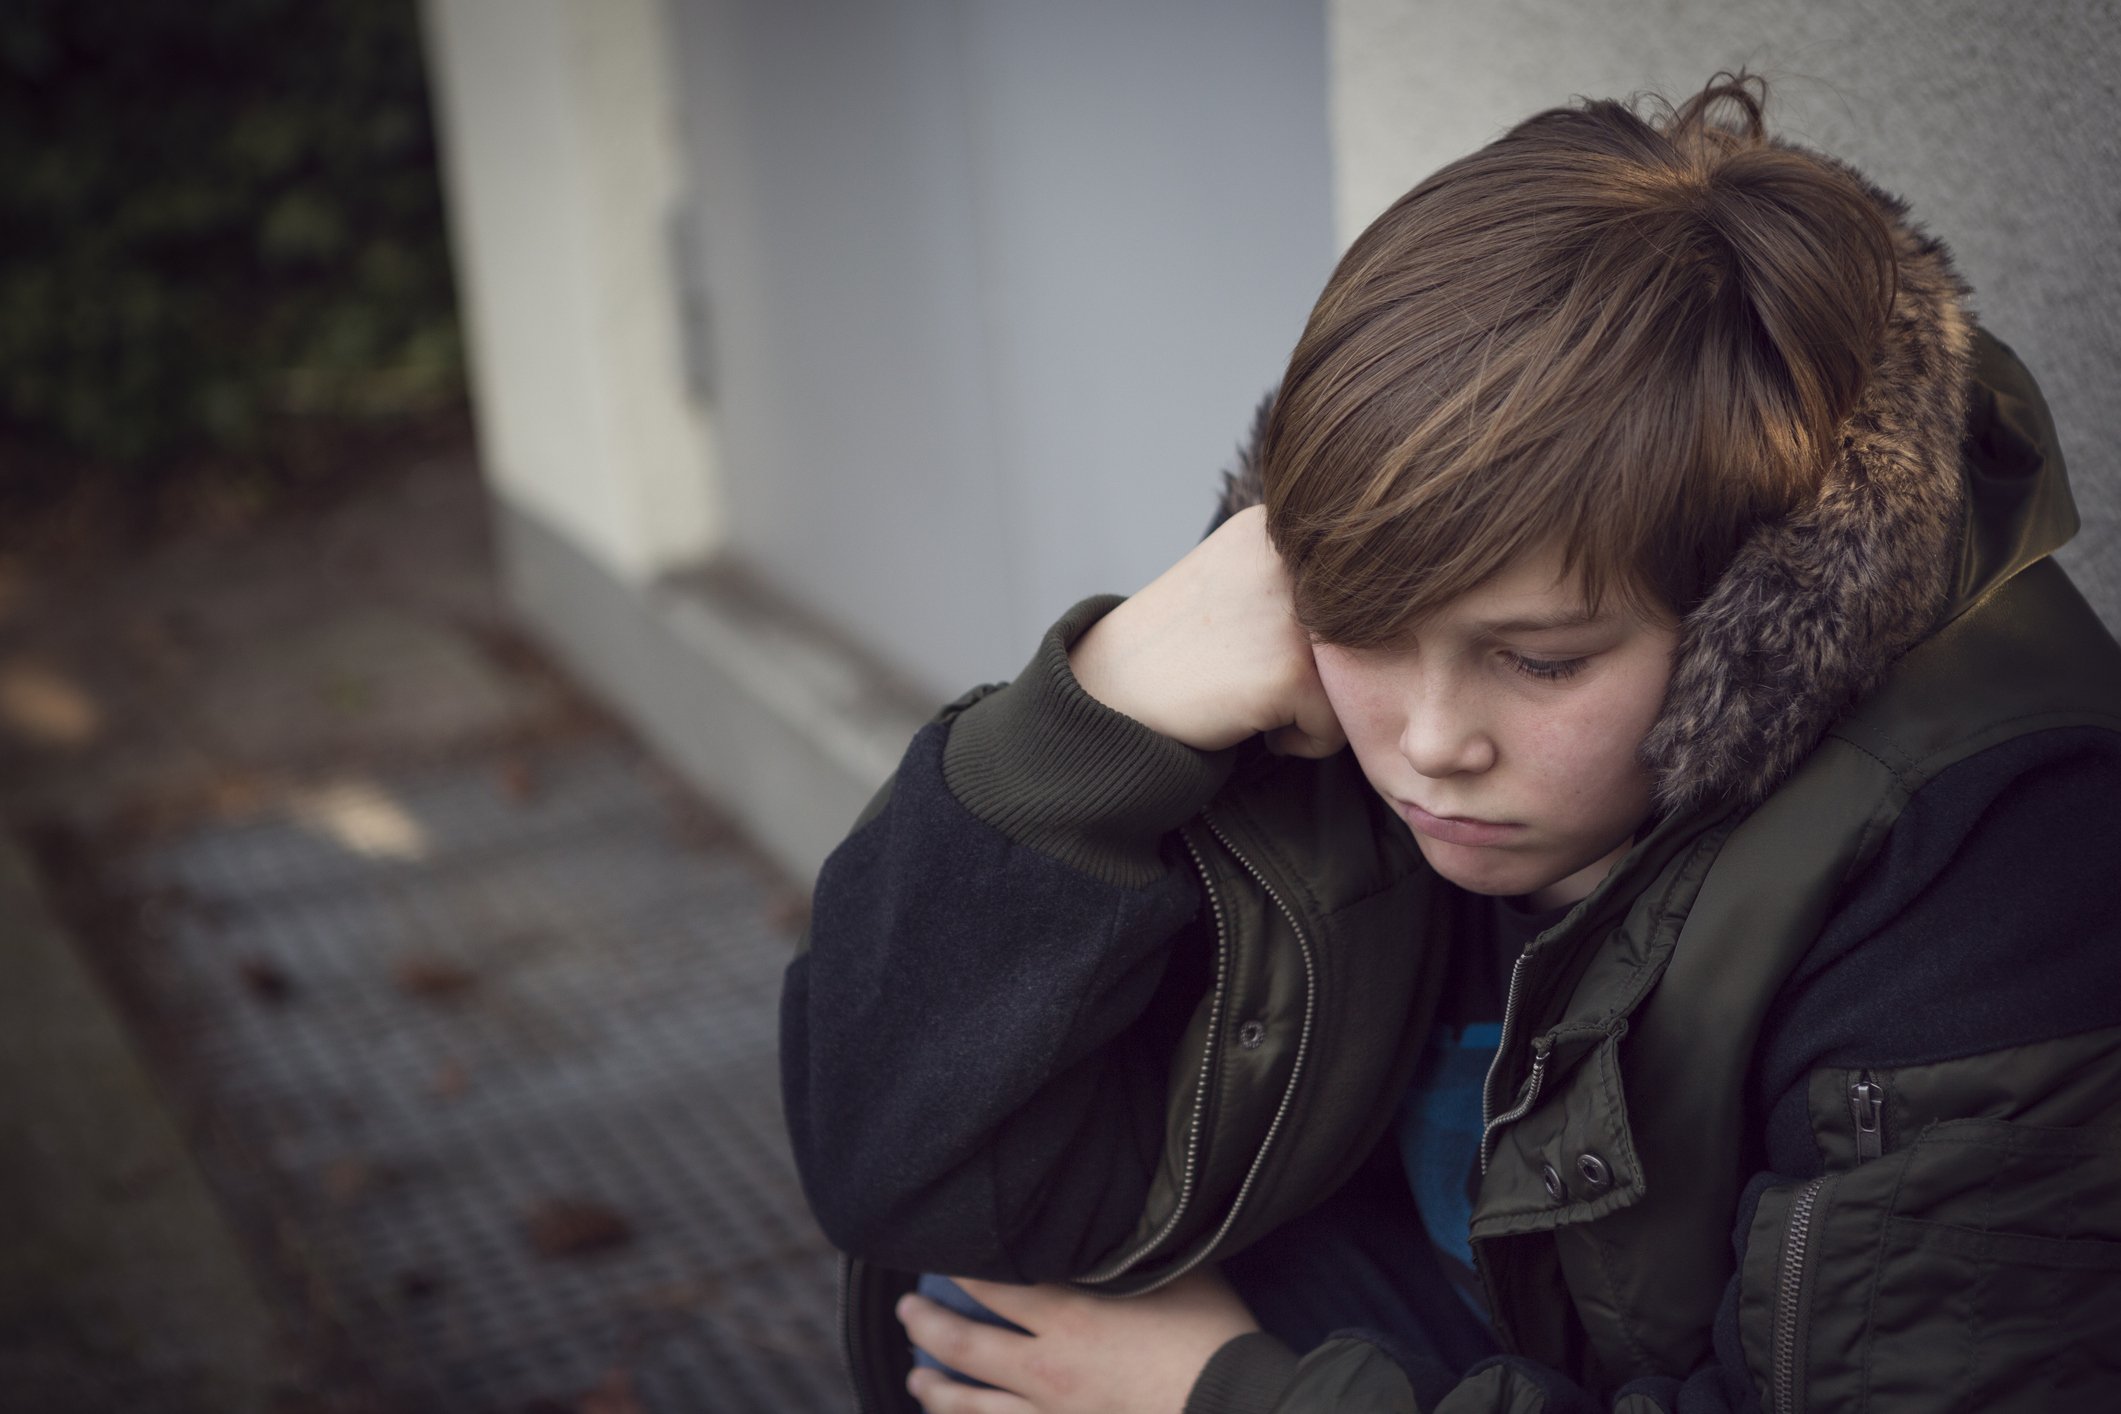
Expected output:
(1989, 917)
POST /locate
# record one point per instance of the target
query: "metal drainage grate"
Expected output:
(430, 1007)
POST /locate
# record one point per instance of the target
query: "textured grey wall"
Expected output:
(2000, 123)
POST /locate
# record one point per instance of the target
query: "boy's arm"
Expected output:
(974, 1034)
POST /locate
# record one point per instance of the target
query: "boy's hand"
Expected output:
(1210, 653)
(1085, 1354)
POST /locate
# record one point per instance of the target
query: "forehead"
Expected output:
(1532, 592)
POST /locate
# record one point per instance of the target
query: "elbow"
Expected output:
(873, 1188)
(909, 1227)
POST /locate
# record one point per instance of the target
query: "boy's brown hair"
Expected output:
(1633, 338)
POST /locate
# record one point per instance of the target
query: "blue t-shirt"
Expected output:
(1439, 1130)
(1439, 1116)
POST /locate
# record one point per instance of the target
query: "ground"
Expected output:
(388, 1030)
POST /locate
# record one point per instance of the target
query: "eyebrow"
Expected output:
(1540, 623)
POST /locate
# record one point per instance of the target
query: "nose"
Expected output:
(1444, 733)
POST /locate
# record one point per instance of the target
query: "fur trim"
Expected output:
(1814, 610)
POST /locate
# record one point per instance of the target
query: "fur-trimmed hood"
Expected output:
(1947, 482)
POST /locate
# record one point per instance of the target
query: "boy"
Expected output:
(1697, 983)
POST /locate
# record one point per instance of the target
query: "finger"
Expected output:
(1317, 720)
(1316, 742)
(1315, 730)
(937, 1393)
(1288, 741)
(970, 1347)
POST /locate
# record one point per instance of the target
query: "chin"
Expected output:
(1490, 870)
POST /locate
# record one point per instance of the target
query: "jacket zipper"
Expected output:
(1296, 1068)
(1541, 1048)
(1188, 1173)
(1288, 1094)
(1489, 1121)
(1867, 1104)
(1789, 1287)
(1867, 1108)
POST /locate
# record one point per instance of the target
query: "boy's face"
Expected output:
(1504, 734)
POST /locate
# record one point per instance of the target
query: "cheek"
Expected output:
(1588, 756)
(1358, 705)
(1367, 718)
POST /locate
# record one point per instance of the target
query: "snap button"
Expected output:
(1594, 1171)
(1252, 1035)
(1551, 1177)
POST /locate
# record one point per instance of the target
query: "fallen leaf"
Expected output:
(432, 977)
(417, 1284)
(349, 1179)
(265, 979)
(679, 1295)
(517, 781)
(574, 1227)
(613, 1395)
(450, 1080)
(233, 794)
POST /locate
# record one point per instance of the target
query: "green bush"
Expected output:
(216, 218)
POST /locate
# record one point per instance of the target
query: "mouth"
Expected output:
(1455, 829)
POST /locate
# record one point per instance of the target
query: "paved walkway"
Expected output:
(464, 1005)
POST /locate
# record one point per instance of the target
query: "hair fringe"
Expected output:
(1629, 335)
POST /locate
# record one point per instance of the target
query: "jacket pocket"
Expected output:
(1978, 1267)
(1999, 1273)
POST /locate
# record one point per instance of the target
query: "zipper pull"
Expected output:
(1867, 1104)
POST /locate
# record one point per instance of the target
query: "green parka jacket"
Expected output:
(1960, 1245)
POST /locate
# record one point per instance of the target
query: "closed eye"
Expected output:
(1547, 669)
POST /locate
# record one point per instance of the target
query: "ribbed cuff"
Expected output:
(1247, 1376)
(1058, 771)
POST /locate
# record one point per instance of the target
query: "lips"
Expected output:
(1455, 829)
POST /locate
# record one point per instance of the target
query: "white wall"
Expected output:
(561, 157)
(1995, 121)
(995, 287)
